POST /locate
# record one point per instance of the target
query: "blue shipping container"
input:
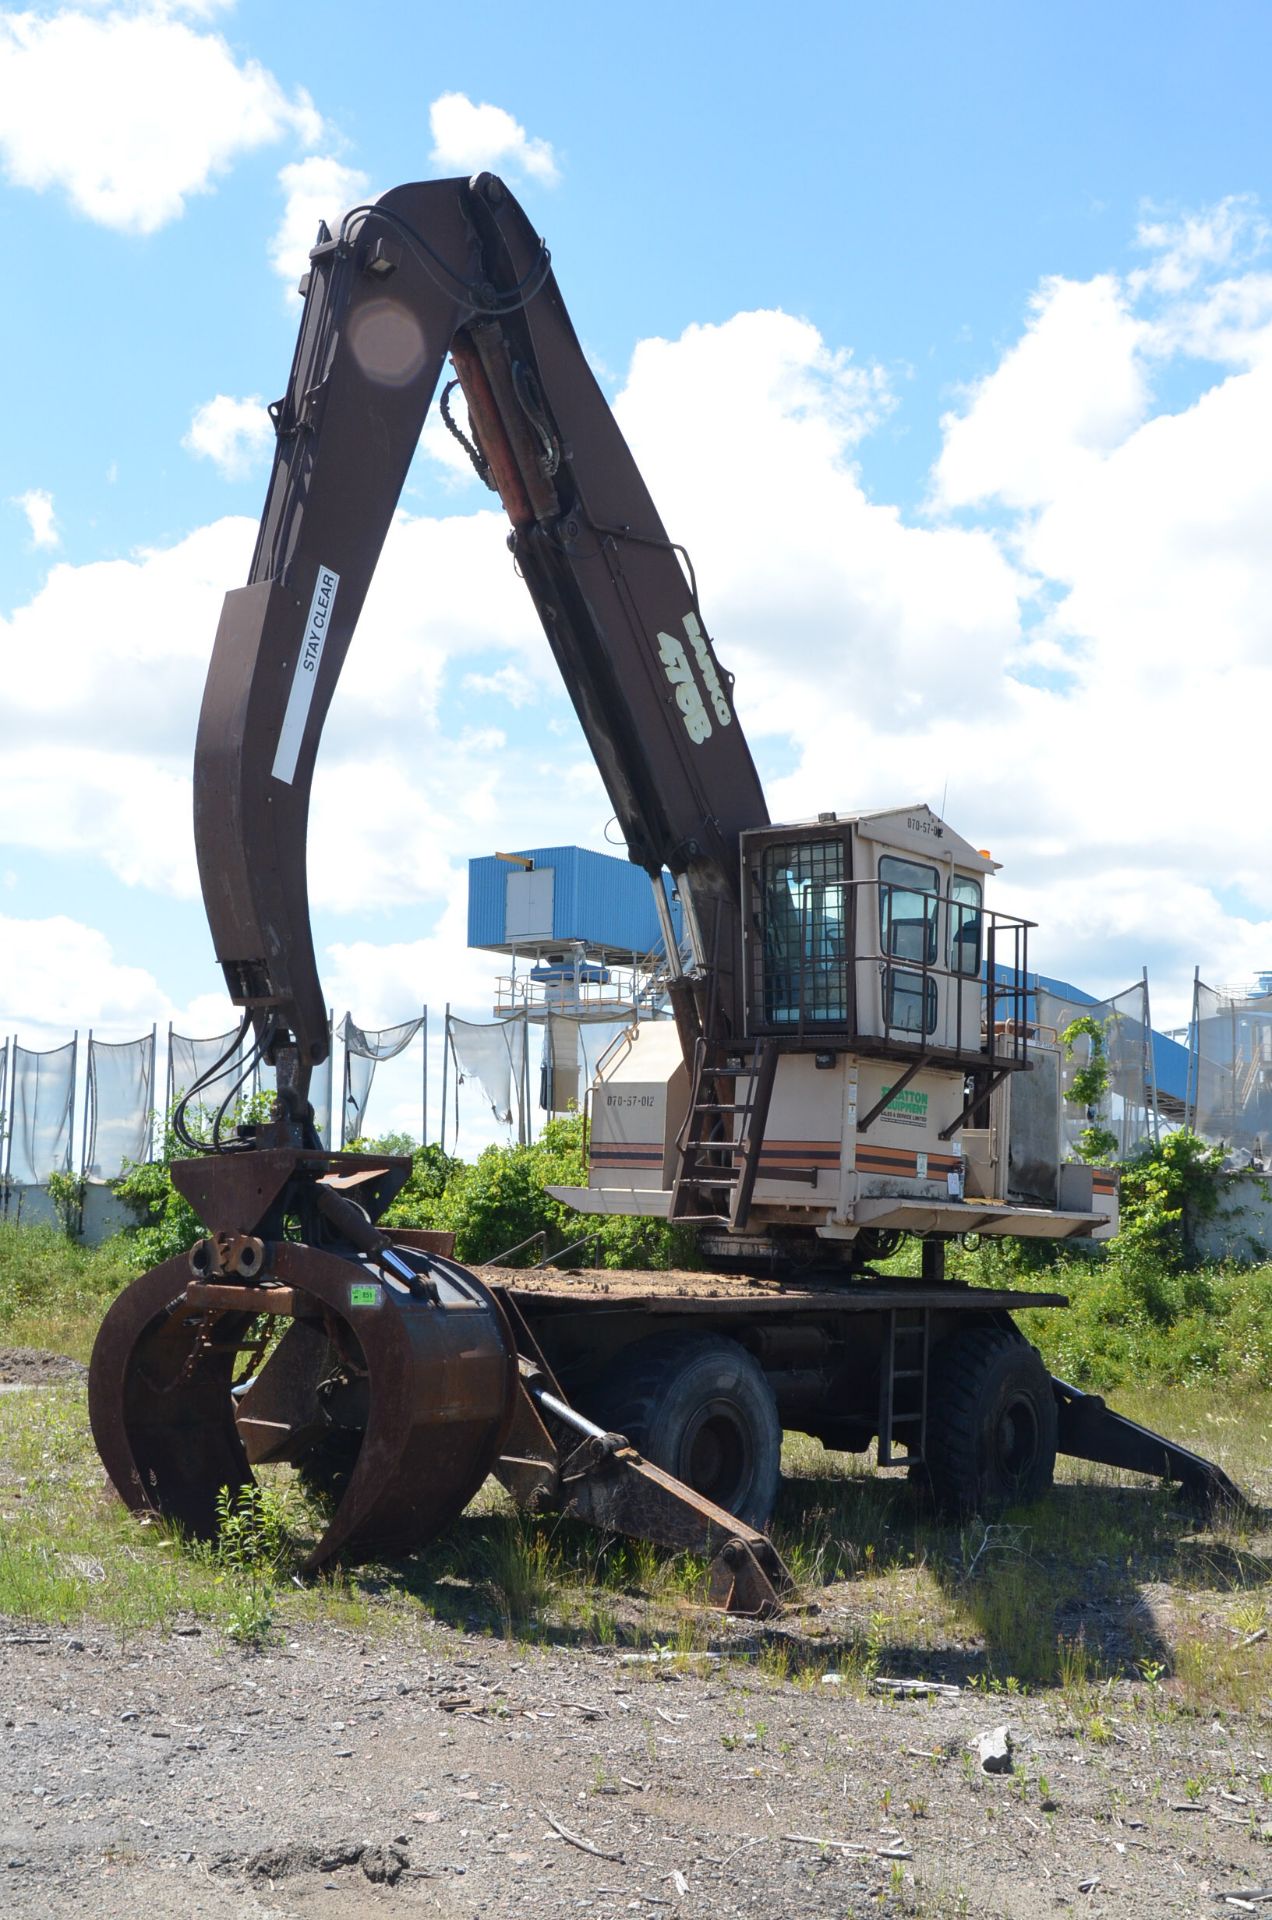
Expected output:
(567, 894)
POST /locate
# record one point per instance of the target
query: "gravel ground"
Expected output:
(33, 1367)
(180, 1775)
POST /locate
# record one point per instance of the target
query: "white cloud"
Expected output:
(37, 505)
(235, 435)
(747, 434)
(102, 738)
(1229, 234)
(101, 750)
(1085, 671)
(509, 683)
(130, 110)
(60, 975)
(468, 138)
(315, 189)
(1071, 388)
(1127, 794)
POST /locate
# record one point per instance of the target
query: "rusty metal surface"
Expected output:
(439, 1394)
(235, 1193)
(240, 1254)
(422, 1239)
(419, 1399)
(209, 1295)
(743, 1579)
(159, 1401)
(617, 1488)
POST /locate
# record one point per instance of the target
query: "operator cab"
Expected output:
(870, 931)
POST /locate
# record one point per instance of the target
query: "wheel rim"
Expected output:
(716, 1456)
(1016, 1439)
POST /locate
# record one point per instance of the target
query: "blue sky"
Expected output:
(943, 334)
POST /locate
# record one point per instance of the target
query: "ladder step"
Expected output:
(907, 1373)
(722, 1106)
(691, 1179)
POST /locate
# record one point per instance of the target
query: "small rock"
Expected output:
(994, 1749)
(75, 1646)
(384, 1865)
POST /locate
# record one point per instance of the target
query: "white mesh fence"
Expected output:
(41, 1113)
(1126, 1109)
(120, 1091)
(364, 1048)
(1230, 1071)
(189, 1060)
(494, 1057)
(320, 1099)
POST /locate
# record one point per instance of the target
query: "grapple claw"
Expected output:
(400, 1402)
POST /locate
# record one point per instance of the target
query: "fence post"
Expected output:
(446, 1076)
(88, 1101)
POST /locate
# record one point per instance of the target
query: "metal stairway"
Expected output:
(720, 1141)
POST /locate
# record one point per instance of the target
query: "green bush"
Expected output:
(432, 1170)
(1214, 1324)
(501, 1200)
(1167, 1190)
(166, 1224)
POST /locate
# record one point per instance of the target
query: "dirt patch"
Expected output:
(444, 1772)
(32, 1367)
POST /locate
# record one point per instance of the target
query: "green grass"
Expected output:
(1129, 1320)
(1055, 1598)
(54, 1293)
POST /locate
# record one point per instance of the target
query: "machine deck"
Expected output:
(681, 1291)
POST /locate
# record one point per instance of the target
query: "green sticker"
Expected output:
(364, 1296)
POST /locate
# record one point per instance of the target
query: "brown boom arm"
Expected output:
(431, 269)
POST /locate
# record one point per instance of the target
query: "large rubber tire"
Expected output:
(991, 1432)
(700, 1407)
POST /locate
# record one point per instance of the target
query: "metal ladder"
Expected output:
(903, 1385)
(721, 1139)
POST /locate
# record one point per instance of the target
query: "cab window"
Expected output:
(909, 898)
(804, 932)
(965, 925)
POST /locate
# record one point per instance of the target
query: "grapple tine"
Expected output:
(441, 1382)
(159, 1401)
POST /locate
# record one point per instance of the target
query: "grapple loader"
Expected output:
(837, 1074)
